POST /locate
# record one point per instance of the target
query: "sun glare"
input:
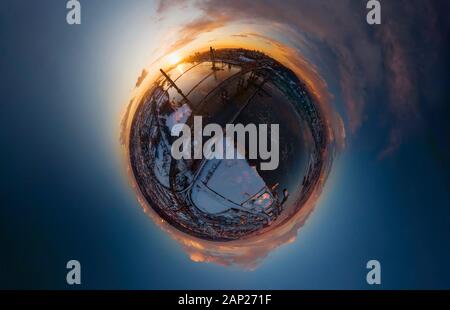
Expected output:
(173, 59)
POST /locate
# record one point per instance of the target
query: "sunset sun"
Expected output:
(173, 58)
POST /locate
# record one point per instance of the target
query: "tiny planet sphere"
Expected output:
(226, 199)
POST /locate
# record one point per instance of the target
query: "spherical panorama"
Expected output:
(226, 144)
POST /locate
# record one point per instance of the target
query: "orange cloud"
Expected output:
(191, 31)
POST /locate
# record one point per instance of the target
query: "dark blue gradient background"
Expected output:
(64, 195)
